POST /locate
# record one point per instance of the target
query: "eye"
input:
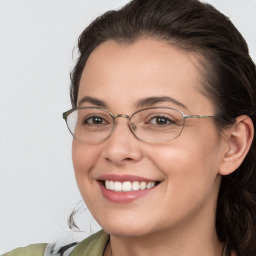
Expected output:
(160, 120)
(95, 120)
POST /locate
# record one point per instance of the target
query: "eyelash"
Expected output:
(169, 120)
(85, 120)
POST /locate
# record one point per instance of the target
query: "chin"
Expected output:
(126, 228)
(126, 231)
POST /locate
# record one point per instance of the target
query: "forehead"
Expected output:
(144, 68)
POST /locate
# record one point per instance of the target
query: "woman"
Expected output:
(163, 117)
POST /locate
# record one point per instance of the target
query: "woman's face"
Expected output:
(120, 76)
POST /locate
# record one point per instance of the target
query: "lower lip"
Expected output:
(124, 197)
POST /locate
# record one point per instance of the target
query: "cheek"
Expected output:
(190, 172)
(84, 157)
(189, 161)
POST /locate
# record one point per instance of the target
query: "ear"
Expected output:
(238, 140)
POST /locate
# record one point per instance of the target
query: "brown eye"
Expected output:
(94, 120)
(160, 120)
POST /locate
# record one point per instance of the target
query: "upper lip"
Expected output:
(125, 177)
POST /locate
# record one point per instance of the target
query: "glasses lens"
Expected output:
(90, 124)
(157, 124)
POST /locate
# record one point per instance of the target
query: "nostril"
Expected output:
(128, 159)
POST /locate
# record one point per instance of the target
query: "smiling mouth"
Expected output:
(128, 186)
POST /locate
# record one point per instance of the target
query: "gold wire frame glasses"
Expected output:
(154, 124)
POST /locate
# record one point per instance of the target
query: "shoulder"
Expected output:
(92, 245)
(31, 250)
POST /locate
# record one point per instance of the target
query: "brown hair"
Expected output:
(230, 81)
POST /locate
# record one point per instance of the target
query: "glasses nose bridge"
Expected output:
(125, 116)
(121, 115)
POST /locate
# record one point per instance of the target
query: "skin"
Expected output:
(178, 216)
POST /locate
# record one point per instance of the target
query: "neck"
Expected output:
(196, 238)
(150, 248)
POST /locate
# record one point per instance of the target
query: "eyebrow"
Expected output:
(94, 101)
(145, 102)
(154, 100)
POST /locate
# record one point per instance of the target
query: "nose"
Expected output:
(122, 146)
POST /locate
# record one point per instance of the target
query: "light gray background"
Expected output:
(37, 185)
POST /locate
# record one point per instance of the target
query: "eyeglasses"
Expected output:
(154, 125)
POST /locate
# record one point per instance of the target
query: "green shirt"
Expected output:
(93, 245)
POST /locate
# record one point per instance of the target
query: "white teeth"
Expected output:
(135, 185)
(111, 185)
(118, 186)
(150, 185)
(128, 185)
(143, 185)
(107, 184)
